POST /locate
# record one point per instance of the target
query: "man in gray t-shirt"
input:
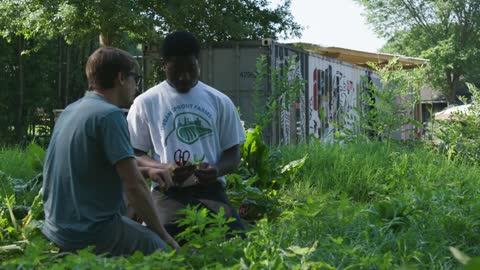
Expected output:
(90, 164)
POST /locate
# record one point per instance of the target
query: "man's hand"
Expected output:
(169, 240)
(139, 196)
(207, 173)
(182, 173)
(161, 176)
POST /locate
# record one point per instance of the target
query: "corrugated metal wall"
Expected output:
(334, 93)
(292, 126)
(327, 101)
(230, 68)
(330, 93)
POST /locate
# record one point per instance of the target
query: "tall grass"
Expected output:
(14, 162)
(366, 170)
(384, 205)
(353, 206)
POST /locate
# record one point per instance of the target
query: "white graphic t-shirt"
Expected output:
(203, 121)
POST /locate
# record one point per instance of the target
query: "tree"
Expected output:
(79, 20)
(72, 29)
(31, 25)
(447, 32)
(222, 20)
(107, 19)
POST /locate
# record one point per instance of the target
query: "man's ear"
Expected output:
(163, 63)
(120, 78)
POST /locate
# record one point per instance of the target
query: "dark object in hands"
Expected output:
(182, 173)
(207, 174)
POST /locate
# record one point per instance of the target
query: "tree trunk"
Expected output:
(19, 125)
(453, 81)
(77, 84)
(59, 82)
(455, 85)
(106, 39)
(67, 75)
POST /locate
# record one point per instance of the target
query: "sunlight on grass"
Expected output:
(13, 162)
(385, 203)
(351, 206)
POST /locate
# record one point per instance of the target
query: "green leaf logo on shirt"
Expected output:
(190, 127)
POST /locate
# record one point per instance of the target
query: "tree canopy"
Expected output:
(447, 32)
(220, 20)
(45, 43)
(210, 20)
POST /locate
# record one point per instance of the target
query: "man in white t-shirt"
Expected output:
(182, 113)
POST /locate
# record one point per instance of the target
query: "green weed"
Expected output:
(362, 205)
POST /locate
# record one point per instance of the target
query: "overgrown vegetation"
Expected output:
(459, 137)
(386, 110)
(362, 201)
(363, 205)
(352, 204)
(285, 89)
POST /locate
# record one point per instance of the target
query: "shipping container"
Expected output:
(328, 98)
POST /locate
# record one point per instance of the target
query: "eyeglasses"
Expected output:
(137, 77)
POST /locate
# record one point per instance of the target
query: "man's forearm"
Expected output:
(144, 171)
(144, 161)
(226, 166)
(139, 197)
(229, 161)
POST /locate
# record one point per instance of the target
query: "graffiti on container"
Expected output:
(333, 100)
(285, 112)
(284, 122)
(301, 130)
(286, 127)
(293, 75)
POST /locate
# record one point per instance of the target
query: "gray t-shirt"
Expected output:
(82, 193)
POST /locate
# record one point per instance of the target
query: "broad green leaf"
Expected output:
(294, 166)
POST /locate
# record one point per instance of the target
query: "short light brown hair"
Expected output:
(104, 64)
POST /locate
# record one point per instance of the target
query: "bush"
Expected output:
(459, 137)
